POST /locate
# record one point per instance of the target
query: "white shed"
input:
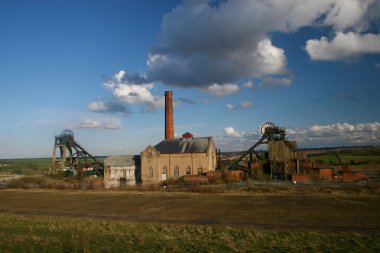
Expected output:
(121, 170)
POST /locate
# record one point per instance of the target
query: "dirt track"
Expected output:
(330, 213)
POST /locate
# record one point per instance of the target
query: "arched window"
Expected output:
(164, 172)
(150, 171)
(176, 171)
(200, 170)
(188, 170)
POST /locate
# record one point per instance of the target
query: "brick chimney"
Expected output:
(169, 125)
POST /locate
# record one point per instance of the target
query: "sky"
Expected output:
(100, 68)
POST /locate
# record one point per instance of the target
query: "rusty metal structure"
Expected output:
(71, 158)
(280, 151)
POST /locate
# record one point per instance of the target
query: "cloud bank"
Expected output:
(338, 134)
(202, 44)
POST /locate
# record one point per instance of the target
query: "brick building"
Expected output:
(174, 158)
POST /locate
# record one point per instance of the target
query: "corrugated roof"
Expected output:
(194, 145)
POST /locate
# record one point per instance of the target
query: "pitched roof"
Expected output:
(122, 160)
(194, 145)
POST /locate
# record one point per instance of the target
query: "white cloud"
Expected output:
(229, 41)
(344, 45)
(270, 59)
(231, 132)
(338, 134)
(230, 106)
(314, 136)
(248, 85)
(106, 123)
(101, 106)
(346, 14)
(132, 93)
(241, 105)
(275, 82)
(97, 106)
(246, 104)
(377, 65)
(222, 90)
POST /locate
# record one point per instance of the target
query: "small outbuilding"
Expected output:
(121, 170)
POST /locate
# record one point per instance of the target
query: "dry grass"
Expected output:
(63, 234)
(297, 211)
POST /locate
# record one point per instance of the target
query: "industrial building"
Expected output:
(176, 157)
(121, 170)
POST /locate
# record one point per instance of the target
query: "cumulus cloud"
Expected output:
(106, 123)
(248, 85)
(275, 82)
(345, 14)
(241, 105)
(338, 134)
(208, 44)
(344, 45)
(222, 90)
(200, 44)
(134, 93)
(313, 136)
(231, 132)
(101, 106)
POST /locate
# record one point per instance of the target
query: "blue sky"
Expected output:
(101, 68)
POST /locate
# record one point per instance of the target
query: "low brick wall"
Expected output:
(301, 178)
(326, 174)
(195, 179)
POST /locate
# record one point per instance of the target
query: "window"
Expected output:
(200, 170)
(188, 170)
(150, 171)
(163, 173)
(176, 171)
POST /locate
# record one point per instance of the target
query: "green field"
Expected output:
(20, 233)
(30, 166)
(328, 158)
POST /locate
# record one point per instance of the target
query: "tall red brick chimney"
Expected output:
(169, 126)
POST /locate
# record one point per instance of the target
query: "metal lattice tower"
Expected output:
(72, 156)
(269, 132)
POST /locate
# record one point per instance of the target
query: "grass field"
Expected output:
(346, 158)
(30, 166)
(65, 234)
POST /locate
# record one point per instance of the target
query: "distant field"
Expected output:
(77, 221)
(30, 166)
(346, 158)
